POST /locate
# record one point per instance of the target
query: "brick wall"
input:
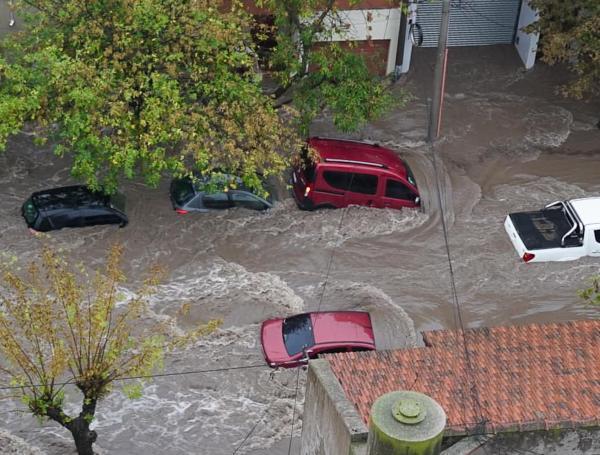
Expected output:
(375, 53)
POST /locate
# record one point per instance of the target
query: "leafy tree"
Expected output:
(60, 326)
(591, 294)
(321, 73)
(142, 87)
(569, 34)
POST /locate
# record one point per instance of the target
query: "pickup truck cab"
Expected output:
(561, 231)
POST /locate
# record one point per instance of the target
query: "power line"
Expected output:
(344, 210)
(294, 411)
(433, 133)
(474, 393)
(251, 430)
(329, 264)
(147, 376)
(471, 8)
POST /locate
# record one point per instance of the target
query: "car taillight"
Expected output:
(181, 211)
(307, 191)
(528, 256)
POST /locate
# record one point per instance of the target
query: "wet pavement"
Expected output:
(508, 144)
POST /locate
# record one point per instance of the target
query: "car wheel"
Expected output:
(304, 208)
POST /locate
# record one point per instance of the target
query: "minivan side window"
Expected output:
(397, 190)
(339, 180)
(597, 235)
(357, 183)
(364, 183)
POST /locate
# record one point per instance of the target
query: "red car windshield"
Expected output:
(298, 334)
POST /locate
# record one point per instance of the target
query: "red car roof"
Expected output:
(358, 151)
(342, 327)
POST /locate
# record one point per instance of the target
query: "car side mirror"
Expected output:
(306, 355)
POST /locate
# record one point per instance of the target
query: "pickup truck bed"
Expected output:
(542, 229)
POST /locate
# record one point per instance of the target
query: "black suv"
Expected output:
(72, 206)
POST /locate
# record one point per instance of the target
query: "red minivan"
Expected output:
(349, 172)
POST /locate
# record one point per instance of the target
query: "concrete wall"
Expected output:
(526, 43)
(331, 424)
(410, 18)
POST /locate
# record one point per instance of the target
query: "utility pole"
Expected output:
(439, 76)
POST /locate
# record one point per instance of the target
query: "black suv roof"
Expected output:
(68, 197)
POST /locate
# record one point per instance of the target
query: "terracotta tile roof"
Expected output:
(528, 377)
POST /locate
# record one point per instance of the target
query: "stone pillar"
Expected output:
(406, 423)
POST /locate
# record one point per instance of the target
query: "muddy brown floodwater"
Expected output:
(508, 144)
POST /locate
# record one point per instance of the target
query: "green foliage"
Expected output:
(569, 34)
(152, 87)
(322, 74)
(142, 88)
(133, 391)
(591, 294)
(59, 325)
(342, 83)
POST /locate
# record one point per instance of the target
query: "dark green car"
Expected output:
(72, 206)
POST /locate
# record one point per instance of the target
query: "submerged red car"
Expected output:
(290, 342)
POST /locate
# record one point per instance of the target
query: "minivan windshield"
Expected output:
(298, 333)
(409, 174)
(182, 191)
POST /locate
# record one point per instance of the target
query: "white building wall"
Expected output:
(411, 18)
(526, 43)
(370, 24)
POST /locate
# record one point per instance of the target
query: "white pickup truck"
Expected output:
(561, 231)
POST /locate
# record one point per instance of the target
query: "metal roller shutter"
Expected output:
(472, 22)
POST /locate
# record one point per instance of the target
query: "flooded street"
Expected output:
(508, 144)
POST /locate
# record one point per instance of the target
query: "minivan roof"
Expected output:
(68, 197)
(358, 151)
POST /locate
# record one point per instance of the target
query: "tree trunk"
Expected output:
(80, 426)
(83, 436)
